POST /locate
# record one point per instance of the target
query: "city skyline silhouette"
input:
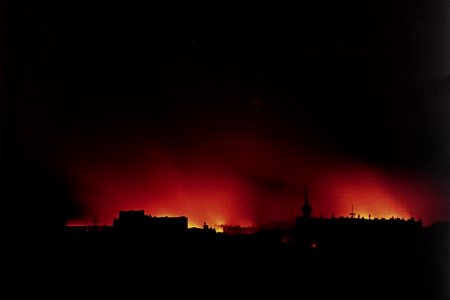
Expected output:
(403, 258)
(156, 148)
(306, 210)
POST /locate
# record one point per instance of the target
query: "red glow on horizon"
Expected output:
(202, 196)
(246, 181)
(369, 194)
(378, 194)
(77, 223)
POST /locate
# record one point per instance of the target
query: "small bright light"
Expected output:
(313, 245)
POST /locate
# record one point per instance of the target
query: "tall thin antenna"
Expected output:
(352, 214)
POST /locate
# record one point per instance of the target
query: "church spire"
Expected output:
(306, 209)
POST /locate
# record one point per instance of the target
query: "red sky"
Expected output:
(225, 117)
(240, 179)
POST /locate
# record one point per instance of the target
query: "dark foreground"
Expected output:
(109, 266)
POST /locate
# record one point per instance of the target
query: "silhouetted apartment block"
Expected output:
(138, 221)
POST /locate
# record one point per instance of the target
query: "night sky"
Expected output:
(224, 113)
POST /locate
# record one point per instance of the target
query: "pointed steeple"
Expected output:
(306, 209)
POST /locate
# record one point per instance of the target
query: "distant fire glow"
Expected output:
(369, 194)
(241, 180)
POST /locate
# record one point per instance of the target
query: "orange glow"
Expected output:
(201, 195)
(244, 180)
(377, 194)
(370, 198)
(373, 193)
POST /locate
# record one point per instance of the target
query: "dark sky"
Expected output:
(224, 112)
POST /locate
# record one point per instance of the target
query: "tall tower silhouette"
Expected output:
(306, 209)
(352, 214)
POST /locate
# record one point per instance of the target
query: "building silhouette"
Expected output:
(352, 233)
(324, 252)
(136, 221)
(306, 209)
